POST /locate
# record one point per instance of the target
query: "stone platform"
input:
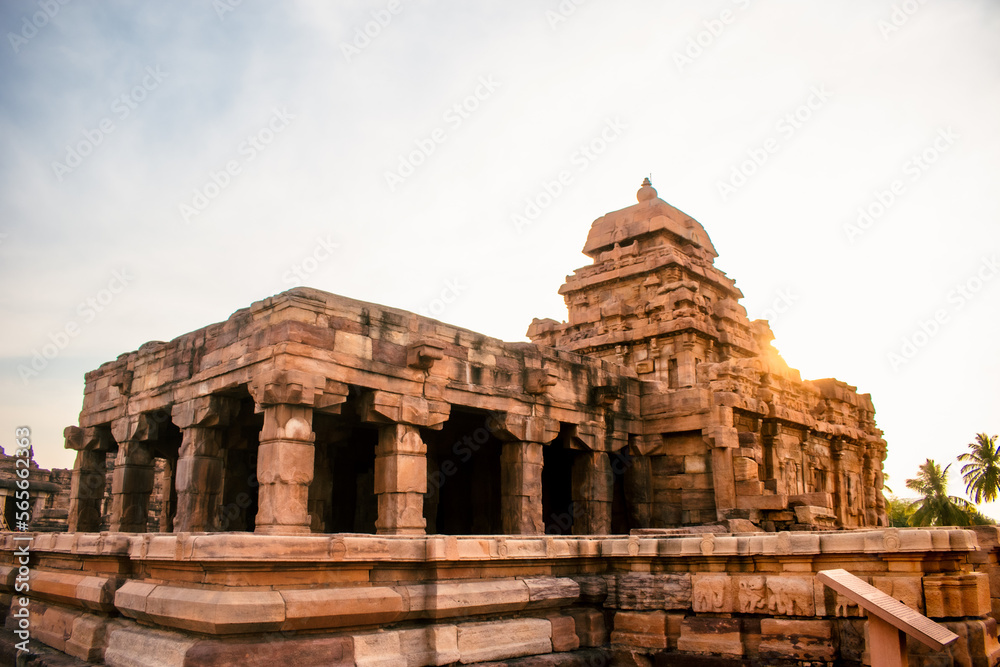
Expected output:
(351, 599)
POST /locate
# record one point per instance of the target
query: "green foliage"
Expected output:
(935, 507)
(981, 471)
(977, 518)
(899, 510)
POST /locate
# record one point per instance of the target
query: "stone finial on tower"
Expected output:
(646, 192)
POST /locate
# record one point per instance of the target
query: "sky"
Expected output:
(165, 164)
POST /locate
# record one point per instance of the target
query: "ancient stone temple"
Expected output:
(50, 490)
(330, 482)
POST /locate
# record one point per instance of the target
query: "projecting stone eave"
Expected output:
(832, 388)
(421, 324)
(300, 295)
(594, 275)
(646, 217)
(361, 344)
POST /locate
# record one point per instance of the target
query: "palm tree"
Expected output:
(982, 472)
(936, 507)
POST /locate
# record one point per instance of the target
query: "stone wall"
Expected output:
(199, 599)
(49, 494)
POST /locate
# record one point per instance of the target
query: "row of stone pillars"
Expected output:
(521, 466)
(285, 464)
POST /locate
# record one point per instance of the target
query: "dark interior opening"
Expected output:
(109, 469)
(621, 522)
(238, 509)
(345, 465)
(557, 489)
(162, 506)
(463, 476)
(10, 511)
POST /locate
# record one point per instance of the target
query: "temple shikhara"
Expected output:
(325, 481)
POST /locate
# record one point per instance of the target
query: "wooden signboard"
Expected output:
(889, 620)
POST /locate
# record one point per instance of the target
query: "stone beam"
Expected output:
(509, 426)
(383, 407)
(595, 436)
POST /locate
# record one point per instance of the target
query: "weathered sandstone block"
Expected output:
(564, 637)
(207, 611)
(720, 636)
(796, 640)
(957, 595)
(478, 642)
(378, 649)
(637, 590)
(551, 592)
(433, 645)
(338, 607)
(467, 598)
(645, 629)
(590, 626)
(130, 645)
(712, 593)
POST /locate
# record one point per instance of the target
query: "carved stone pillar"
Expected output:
(521, 488)
(87, 491)
(131, 484)
(686, 372)
(723, 481)
(400, 480)
(199, 475)
(871, 486)
(285, 456)
(285, 461)
(401, 455)
(88, 481)
(169, 506)
(198, 480)
(878, 456)
(133, 476)
(639, 491)
(593, 489)
(321, 490)
(521, 459)
(722, 441)
(837, 447)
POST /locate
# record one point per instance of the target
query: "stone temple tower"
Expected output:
(730, 431)
(652, 300)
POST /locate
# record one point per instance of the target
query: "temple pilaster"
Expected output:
(199, 475)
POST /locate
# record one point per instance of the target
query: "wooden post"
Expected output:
(886, 644)
(889, 620)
